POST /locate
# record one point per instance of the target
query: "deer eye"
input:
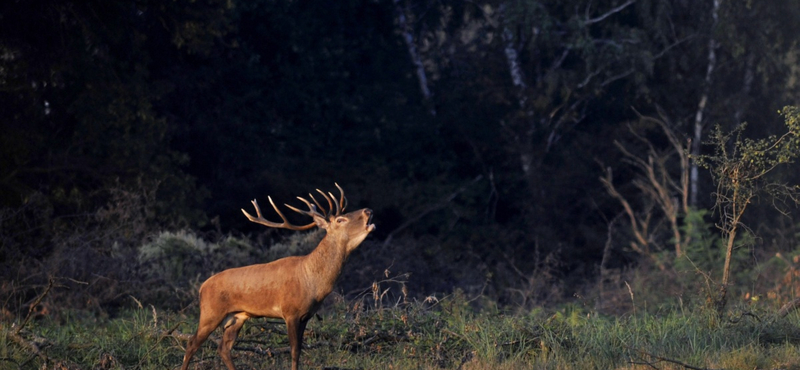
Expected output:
(341, 220)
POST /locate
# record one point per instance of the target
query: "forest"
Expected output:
(616, 155)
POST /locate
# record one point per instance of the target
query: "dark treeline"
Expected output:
(477, 131)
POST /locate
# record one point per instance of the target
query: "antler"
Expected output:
(285, 224)
(332, 202)
(340, 204)
(312, 210)
(342, 200)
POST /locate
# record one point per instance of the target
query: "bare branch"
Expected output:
(789, 307)
(618, 76)
(665, 359)
(607, 14)
(638, 232)
(33, 305)
(430, 209)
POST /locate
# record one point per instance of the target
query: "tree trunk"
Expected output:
(697, 138)
(413, 52)
(737, 210)
(512, 57)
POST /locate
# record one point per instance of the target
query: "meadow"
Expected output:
(134, 306)
(384, 329)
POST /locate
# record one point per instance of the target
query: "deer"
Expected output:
(290, 288)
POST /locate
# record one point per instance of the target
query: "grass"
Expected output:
(444, 334)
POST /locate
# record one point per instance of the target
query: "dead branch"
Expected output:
(467, 358)
(607, 14)
(162, 335)
(604, 261)
(270, 352)
(665, 359)
(638, 228)
(35, 346)
(655, 182)
(743, 314)
(286, 349)
(32, 307)
(789, 307)
(185, 337)
(11, 360)
(439, 205)
(643, 363)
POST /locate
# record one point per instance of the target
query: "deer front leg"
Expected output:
(296, 327)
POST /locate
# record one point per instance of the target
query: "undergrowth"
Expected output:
(86, 312)
(435, 333)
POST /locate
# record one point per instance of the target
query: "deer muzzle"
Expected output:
(370, 226)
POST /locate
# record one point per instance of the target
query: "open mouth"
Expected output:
(370, 225)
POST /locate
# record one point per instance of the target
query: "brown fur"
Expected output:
(290, 288)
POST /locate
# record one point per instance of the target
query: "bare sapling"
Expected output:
(291, 288)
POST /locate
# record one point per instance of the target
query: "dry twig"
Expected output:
(664, 359)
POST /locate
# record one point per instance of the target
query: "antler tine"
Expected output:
(330, 204)
(259, 218)
(312, 210)
(336, 203)
(276, 210)
(342, 200)
(338, 207)
(284, 225)
(325, 214)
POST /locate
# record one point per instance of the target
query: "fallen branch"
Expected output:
(665, 359)
(737, 320)
(11, 360)
(377, 337)
(789, 307)
(280, 350)
(32, 307)
(286, 349)
(174, 333)
(167, 334)
(35, 346)
(31, 345)
(643, 363)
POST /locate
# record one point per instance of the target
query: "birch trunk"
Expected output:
(413, 52)
(697, 137)
(512, 57)
(524, 143)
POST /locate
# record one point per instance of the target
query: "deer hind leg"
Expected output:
(296, 327)
(231, 327)
(204, 329)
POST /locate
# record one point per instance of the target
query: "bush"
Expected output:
(182, 260)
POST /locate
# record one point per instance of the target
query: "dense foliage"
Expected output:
(477, 131)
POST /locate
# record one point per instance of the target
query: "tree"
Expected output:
(662, 181)
(740, 167)
(723, 63)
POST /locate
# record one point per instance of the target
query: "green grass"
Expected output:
(445, 334)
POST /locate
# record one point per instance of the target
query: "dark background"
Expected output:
(121, 119)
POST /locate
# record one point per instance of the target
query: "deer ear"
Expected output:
(321, 222)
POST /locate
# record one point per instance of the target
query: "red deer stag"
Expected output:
(290, 288)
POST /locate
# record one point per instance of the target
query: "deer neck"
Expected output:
(324, 264)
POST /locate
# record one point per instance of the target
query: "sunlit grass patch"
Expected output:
(447, 333)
